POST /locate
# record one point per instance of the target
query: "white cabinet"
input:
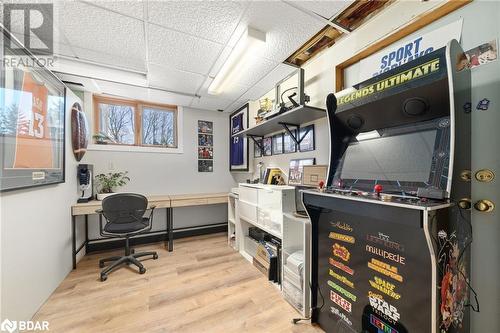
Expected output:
(263, 206)
(232, 218)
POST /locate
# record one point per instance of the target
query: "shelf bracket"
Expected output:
(259, 144)
(297, 138)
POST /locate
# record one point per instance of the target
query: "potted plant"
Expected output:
(106, 183)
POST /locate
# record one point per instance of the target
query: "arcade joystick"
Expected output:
(377, 189)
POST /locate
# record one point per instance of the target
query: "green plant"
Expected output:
(107, 182)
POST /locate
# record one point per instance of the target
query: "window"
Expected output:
(134, 123)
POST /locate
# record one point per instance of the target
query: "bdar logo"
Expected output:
(9, 326)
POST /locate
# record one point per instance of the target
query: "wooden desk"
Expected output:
(168, 202)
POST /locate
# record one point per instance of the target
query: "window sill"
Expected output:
(135, 149)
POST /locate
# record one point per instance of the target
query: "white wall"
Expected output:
(164, 173)
(36, 239)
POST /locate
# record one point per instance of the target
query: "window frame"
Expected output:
(138, 106)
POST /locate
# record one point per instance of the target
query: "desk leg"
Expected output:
(170, 230)
(73, 239)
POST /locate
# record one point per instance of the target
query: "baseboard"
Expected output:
(102, 245)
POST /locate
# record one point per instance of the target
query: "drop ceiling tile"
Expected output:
(256, 92)
(109, 59)
(277, 74)
(235, 105)
(327, 9)
(130, 8)
(285, 32)
(173, 79)
(213, 20)
(181, 51)
(210, 103)
(102, 33)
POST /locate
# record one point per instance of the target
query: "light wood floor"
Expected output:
(203, 286)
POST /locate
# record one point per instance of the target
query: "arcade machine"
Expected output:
(391, 232)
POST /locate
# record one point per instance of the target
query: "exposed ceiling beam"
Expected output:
(318, 17)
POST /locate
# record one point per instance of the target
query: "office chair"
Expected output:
(124, 214)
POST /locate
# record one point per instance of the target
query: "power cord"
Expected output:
(296, 320)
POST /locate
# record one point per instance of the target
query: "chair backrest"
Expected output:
(124, 207)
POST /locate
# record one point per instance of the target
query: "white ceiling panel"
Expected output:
(235, 105)
(327, 9)
(210, 103)
(101, 31)
(181, 51)
(277, 74)
(212, 20)
(129, 8)
(173, 79)
(106, 58)
(256, 92)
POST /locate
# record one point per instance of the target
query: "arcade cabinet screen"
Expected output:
(400, 158)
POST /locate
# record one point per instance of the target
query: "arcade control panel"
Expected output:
(379, 195)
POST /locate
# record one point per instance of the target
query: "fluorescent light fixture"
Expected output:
(368, 135)
(245, 49)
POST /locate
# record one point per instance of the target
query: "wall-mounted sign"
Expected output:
(409, 49)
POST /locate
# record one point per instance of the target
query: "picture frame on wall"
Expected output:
(277, 144)
(267, 144)
(296, 170)
(257, 150)
(205, 126)
(32, 137)
(307, 143)
(238, 144)
(289, 145)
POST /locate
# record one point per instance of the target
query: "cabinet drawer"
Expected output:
(248, 194)
(247, 211)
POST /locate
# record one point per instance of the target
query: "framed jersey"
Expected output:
(238, 144)
(32, 126)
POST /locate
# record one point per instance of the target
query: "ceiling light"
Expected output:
(245, 49)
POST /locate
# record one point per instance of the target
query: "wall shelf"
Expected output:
(295, 117)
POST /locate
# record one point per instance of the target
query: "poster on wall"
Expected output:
(205, 146)
(238, 144)
(483, 54)
(32, 127)
(296, 170)
(408, 50)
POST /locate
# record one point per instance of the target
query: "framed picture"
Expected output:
(32, 135)
(289, 146)
(238, 144)
(296, 170)
(257, 151)
(205, 166)
(205, 127)
(307, 144)
(277, 147)
(206, 153)
(205, 140)
(267, 144)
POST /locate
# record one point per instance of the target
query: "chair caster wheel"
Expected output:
(103, 278)
(155, 256)
(101, 265)
(142, 270)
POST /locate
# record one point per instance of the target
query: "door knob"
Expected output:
(484, 205)
(485, 175)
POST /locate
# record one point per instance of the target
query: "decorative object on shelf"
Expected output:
(107, 183)
(257, 148)
(205, 146)
(267, 144)
(32, 142)
(313, 174)
(296, 170)
(307, 143)
(274, 176)
(238, 147)
(79, 131)
(289, 146)
(277, 144)
(205, 127)
(260, 166)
